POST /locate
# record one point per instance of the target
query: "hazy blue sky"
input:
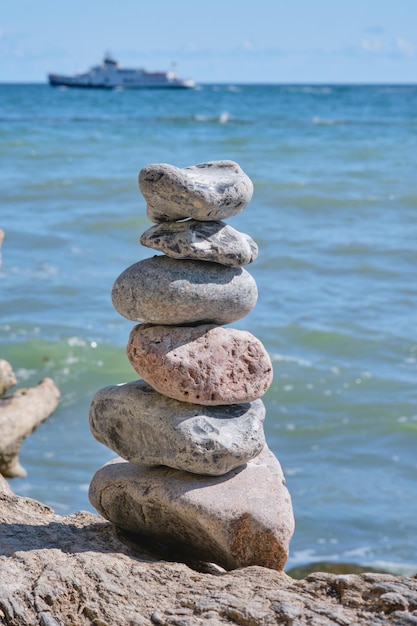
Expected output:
(214, 40)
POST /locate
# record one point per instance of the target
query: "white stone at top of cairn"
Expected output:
(208, 191)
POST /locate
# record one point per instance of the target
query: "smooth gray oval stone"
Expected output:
(240, 519)
(208, 191)
(160, 290)
(202, 364)
(147, 428)
(204, 241)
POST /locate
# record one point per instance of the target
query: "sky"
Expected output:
(214, 41)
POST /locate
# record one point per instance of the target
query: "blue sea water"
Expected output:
(334, 214)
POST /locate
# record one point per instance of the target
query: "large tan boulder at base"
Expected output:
(203, 364)
(242, 518)
(79, 570)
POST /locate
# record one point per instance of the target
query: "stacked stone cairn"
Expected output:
(194, 472)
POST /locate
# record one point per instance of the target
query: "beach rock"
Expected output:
(82, 570)
(160, 290)
(147, 428)
(7, 376)
(20, 414)
(204, 241)
(202, 364)
(242, 518)
(208, 191)
(5, 487)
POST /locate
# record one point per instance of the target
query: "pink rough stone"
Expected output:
(203, 364)
(240, 519)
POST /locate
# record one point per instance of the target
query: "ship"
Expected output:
(109, 75)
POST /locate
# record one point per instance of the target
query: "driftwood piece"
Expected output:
(20, 414)
(78, 570)
(7, 377)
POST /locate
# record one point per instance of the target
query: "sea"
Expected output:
(334, 213)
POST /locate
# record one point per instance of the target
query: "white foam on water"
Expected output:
(275, 356)
(23, 373)
(76, 342)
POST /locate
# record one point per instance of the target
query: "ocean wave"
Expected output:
(360, 559)
(319, 121)
(373, 121)
(44, 271)
(274, 121)
(290, 359)
(223, 118)
(309, 89)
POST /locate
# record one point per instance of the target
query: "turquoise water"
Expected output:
(334, 214)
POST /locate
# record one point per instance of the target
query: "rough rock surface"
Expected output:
(147, 428)
(161, 290)
(7, 376)
(203, 241)
(203, 364)
(20, 414)
(209, 191)
(242, 518)
(79, 570)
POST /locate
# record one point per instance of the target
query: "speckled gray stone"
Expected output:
(160, 290)
(147, 428)
(208, 191)
(202, 364)
(205, 241)
(242, 518)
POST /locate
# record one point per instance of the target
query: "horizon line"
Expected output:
(265, 83)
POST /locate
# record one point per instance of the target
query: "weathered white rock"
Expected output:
(202, 364)
(242, 518)
(7, 376)
(160, 290)
(208, 191)
(20, 414)
(204, 241)
(147, 428)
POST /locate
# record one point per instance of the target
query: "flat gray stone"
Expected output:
(147, 428)
(242, 518)
(160, 290)
(204, 364)
(208, 191)
(204, 241)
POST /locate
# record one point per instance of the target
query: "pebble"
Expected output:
(147, 428)
(203, 364)
(204, 241)
(208, 191)
(160, 290)
(240, 519)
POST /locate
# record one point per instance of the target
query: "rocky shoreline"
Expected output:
(80, 570)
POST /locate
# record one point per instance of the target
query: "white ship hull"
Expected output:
(109, 75)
